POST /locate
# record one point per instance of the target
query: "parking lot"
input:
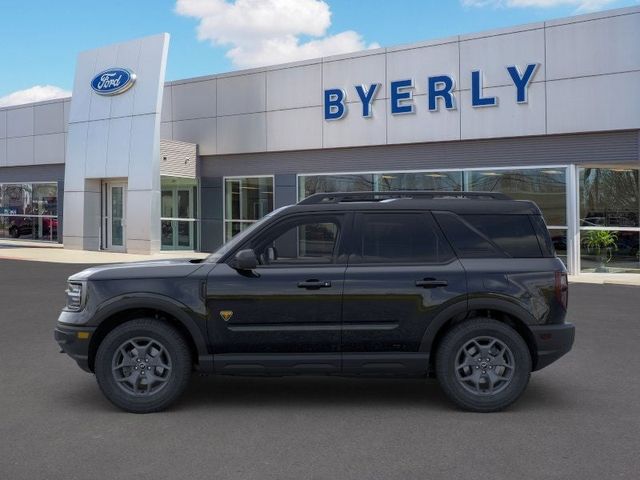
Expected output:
(579, 419)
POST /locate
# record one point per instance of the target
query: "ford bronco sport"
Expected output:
(462, 286)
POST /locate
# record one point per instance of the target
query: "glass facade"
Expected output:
(179, 213)
(246, 199)
(29, 211)
(609, 219)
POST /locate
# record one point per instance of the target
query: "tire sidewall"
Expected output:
(178, 377)
(459, 336)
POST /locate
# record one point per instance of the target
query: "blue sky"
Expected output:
(39, 39)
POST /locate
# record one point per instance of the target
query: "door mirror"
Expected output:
(245, 260)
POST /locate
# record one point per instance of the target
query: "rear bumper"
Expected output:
(73, 344)
(552, 342)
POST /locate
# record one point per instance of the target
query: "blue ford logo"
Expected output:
(113, 81)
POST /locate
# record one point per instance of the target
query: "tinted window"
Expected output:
(301, 241)
(514, 234)
(401, 238)
(467, 241)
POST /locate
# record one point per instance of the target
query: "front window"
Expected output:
(179, 213)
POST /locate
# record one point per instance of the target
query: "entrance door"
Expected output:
(115, 220)
(177, 219)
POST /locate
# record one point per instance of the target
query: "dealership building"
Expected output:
(548, 112)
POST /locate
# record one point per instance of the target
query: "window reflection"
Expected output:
(546, 187)
(609, 197)
(28, 211)
(247, 199)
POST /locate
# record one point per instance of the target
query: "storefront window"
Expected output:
(310, 184)
(447, 181)
(609, 197)
(547, 187)
(179, 219)
(609, 219)
(247, 199)
(29, 211)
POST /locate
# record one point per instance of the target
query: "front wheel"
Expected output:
(483, 365)
(142, 366)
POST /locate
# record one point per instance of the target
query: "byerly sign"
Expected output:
(440, 90)
(113, 81)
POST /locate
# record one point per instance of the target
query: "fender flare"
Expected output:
(462, 308)
(154, 301)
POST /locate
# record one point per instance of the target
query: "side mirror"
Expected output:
(245, 260)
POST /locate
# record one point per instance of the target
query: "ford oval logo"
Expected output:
(113, 81)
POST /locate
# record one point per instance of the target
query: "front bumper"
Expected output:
(74, 341)
(552, 342)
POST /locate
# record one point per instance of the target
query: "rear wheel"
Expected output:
(483, 365)
(142, 366)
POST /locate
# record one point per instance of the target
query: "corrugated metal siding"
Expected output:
(178, 159)
(33, 173)
(607, 147)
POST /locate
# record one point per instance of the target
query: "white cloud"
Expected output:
(36, 93)
(265, 32)
(580, 5)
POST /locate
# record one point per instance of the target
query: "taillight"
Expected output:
(562, 289)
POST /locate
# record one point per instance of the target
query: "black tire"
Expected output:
(478, 393)
(160, 339)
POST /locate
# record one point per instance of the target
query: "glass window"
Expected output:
(559, 240)
(609, 197)
(609, 251)
(302, 241)
(447, 181)
(247, 199)
(514, 234)
(29, 211)
(310, 184)
(401, 238)
(466, 240)
(546, 187)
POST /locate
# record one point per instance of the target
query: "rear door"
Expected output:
(401, 274)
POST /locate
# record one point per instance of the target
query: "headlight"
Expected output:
(75, 296)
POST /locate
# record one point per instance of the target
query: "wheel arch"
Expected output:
(120, 310)
(499, 309)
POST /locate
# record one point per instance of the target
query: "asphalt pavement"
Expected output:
(579, 419)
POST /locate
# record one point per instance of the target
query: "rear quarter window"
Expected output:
(488, 236)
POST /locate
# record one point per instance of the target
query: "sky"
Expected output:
(40, 39)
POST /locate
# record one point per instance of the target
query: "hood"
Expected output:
(146, 269)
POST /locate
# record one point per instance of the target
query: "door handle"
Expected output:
(431, 283)
(314, 284)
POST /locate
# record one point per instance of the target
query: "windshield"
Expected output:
(240, 237)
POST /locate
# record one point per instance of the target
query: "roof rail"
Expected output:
(337, 197)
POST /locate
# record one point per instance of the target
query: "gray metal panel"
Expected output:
(211, 213)
(178, 159)
(608, 147)
(285, 193)
(33, 173)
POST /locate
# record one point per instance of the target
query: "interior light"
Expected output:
(491, 174)
(435, 175)
(552, 172)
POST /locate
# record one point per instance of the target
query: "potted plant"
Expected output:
(603, 242)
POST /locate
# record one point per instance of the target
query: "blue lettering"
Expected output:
(477, 100)
(400, 94)
(334, 107)
(366, 97)
(441, 86)
(521, 81)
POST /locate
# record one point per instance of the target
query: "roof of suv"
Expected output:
(457, 202)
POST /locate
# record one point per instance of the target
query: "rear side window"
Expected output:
(400, 238)
(482, 236)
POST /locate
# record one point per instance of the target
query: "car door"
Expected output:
(401, 274)
(286, 314)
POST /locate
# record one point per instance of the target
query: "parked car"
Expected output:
(24, 226)
(462, 286)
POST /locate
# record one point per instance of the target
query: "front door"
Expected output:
(115, 218)
(401, 274)
(177, 219)
(287, 313)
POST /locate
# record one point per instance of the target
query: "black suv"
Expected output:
(462, 286)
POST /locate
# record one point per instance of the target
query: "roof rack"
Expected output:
(337, 197)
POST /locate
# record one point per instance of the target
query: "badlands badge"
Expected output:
(226, 315)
